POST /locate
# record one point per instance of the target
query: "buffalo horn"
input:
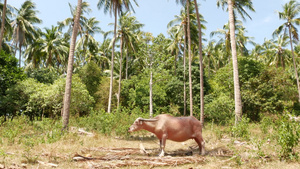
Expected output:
(148, 120)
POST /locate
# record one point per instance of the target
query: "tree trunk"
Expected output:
(20, 56)
(190, 56)
(120, 72)
(184, 69)
(294, 62)
(112, 64)
(151, 83)
(237, 92)
(126, 65)
(200, 67)
(67, 96)
(3, 24)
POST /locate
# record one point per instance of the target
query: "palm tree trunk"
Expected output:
(20, 56)
(184, 69)
(294, 62)
(120, 72)
(126, 65)
(151, 83)
(112, 64)
(190, 56)
(237, 92)
(200, 67)
(3, 23)
(67, 96)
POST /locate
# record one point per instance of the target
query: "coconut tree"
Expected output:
(7, 12)
(87, 44)
(24, 30)
(54, 46)
(116, 7)
(67, 96)
(200, 65)
(289, 14)
(234, 7)
(275, 51)
(127, 33)
(69, 22)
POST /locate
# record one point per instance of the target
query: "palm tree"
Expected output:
(237, 90)
(127, 32)
(69, 22)
(54, 46)
(23, 29)
(290, 11)
(178, 32)
(3, 23)
(67, 96)
(117, 7)
(236, 6)
(88, 44)
(200, 66)
(275, 51)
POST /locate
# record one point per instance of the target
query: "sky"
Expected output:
(156, 14)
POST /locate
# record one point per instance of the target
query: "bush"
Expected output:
(241, 129)
(90, 75)
(288, 138)
(35, 99)
(219, 109)
(109, 123)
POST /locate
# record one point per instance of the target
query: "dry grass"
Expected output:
(76, 150)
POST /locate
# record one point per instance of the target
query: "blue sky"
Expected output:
(156, 14)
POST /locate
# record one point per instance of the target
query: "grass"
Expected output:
(27, 144)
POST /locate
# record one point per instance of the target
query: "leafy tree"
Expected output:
(9, 76)
(37, 100)
(90, 75)
(43, 75)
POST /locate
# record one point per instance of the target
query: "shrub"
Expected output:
(241, 129)
(36, 99)
(288, 138)
(219, 109)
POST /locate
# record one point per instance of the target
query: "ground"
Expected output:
(80, 149)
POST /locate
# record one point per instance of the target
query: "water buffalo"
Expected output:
(178, 129)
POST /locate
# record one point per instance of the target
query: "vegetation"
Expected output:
(250, 114)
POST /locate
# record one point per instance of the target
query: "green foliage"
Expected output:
(90, 75)
(35, 99)
(10, 74)
(288, 138)
(136, 91)
(102, 94)
(109, 123)
(22, 131)
(273, 91)
(219, 109)
(265, 124)
(241, 129)
(43, 75)
(263, 90)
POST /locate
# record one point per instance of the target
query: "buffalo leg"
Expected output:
(162, 146)
(201, 144)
